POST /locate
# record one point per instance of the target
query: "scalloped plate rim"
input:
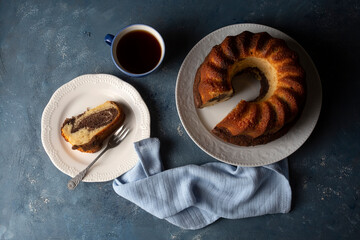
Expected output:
(134, 100)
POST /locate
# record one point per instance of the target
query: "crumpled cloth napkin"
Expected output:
(192, 197)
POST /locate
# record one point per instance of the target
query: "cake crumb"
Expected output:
(180, 131)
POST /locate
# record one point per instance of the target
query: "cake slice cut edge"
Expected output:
(87, 131)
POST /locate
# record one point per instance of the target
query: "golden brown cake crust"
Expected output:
(282, 94)
(244, 140)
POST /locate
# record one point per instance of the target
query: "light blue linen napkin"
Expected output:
(193, 197)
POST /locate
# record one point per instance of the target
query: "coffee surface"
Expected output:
(138, 52)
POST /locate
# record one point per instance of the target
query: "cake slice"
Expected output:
(87, 131)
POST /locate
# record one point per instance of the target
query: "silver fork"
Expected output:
(115, 139)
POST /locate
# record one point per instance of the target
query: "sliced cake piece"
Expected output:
(87, 131)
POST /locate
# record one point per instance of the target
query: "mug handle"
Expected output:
(109, 39)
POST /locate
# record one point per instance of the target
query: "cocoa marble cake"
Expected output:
(282, 94)
(87, 131)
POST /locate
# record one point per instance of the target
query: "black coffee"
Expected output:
(138, 51)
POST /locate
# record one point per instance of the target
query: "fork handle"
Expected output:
(77, 179)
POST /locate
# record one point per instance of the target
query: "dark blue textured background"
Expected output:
(44, 44)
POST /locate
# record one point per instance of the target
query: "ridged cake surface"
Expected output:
(282, 94)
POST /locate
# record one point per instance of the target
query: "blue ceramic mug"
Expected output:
(136, 50)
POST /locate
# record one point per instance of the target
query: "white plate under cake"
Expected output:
(198, 123)
(88, 91)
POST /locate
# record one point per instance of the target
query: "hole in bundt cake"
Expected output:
(250, 84)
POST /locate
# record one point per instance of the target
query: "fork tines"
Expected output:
(121, 133)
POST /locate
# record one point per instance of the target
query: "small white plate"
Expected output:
(199, 122)
(73, 98)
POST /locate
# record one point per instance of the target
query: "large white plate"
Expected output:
(199, 122)
(73, 98)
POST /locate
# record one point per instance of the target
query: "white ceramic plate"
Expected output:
(199, 122)
(73, 98)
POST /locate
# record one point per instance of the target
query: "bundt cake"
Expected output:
(87, 131)
(282, 91)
